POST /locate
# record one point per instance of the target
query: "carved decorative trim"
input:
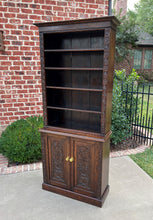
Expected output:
(105, 76)
(43, 77)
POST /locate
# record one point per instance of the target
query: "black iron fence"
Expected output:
(138, 103)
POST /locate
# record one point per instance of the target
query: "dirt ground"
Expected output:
(129, 143)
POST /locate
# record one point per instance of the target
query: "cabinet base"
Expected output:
(77, 196)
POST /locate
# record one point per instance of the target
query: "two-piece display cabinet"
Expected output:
(77, 60)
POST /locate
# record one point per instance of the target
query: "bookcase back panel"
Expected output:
(86, 121)
(58, 59)
(78, 43)
(77, 40)
(59, 78)
(59, 118)
(77, 79)
(59, 98)
(86, 100)
(87, 79)
(74, 99)
(74, 120)
(97, 41)
(87, 60)
(74, 59)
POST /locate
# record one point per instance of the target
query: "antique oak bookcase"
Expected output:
(77, 60)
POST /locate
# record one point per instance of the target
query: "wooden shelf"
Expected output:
(71, 68)
(76, 110)
(75, 50)
(76, 89)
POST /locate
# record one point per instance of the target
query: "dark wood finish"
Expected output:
(1, 41)
(77, 196)
(71, 68)
(76, 110)
(79, 25)
(83, 175)
(77, 59)
(87, 158)
(75, 133)
(59, 169)
(72, 88)
(74, 50)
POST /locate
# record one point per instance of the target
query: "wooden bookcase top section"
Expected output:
(77, 59)
(79, 25)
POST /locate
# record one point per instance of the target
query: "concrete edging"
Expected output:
(20, 168)
(127, 152)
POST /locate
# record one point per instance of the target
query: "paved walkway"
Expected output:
(130, 197)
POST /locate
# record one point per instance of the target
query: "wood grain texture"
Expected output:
(83, 24)
(59, 168)
(43, 77)
(77, 196)
(86, 175)
(77, 59)
(84, 167)
(44, 157)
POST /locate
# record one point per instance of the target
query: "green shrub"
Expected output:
(121, 125)
(129, 83)
(20, 142)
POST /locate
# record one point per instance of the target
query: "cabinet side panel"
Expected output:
(110, 81)
(44, 157)
(105, 166)
(98, 169)
(109, 53)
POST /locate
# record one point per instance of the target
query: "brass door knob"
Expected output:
(67, 159)
(71, 159)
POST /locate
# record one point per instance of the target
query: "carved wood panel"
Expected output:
(85, 167)
(59, 168)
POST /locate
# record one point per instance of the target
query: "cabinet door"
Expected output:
(59, 168)
(87, 167)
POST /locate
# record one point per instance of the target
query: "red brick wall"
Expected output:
(121, 4)
(127, 65)
(20, 83)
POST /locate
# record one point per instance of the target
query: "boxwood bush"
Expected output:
(121, 125)
(20, 142)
